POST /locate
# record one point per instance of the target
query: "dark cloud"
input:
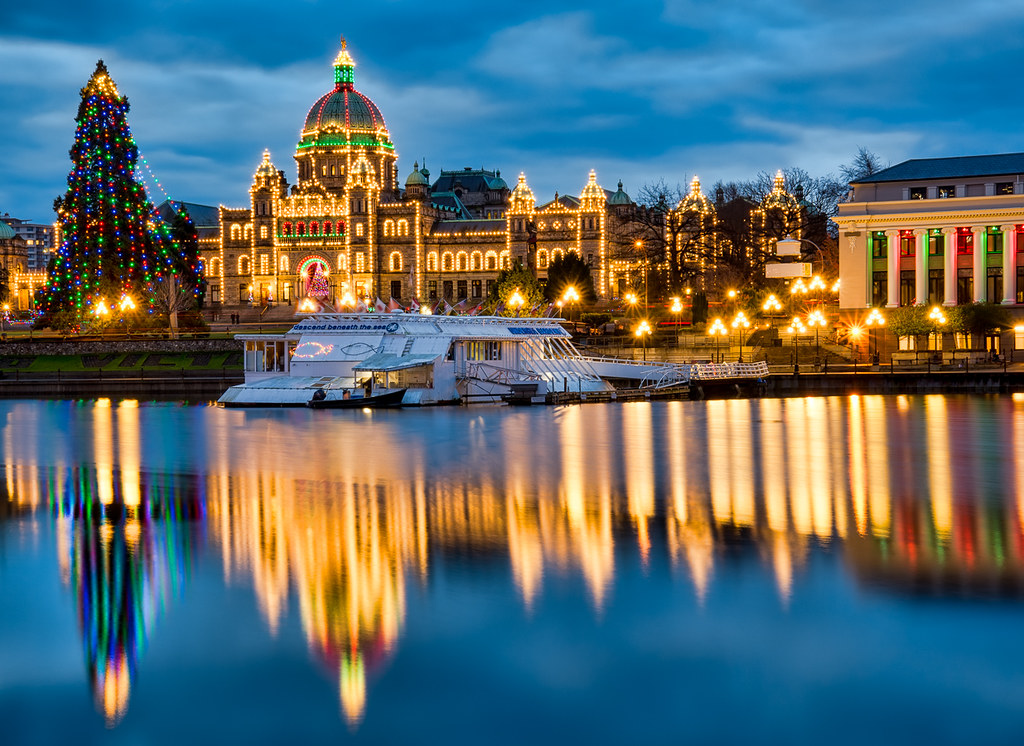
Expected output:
(652, 90)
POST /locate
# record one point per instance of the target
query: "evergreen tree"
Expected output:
(113, 243)
(567, 271)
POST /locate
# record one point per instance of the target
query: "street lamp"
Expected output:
(569, 297)
(875, 318)
(639, 247)
(677, 309)
(631, 299)
(771, 307)
(816, 319)
(739, 324)
(938, 318)
(516, 301)
(717, 330)
(643, 330)
(796, 328)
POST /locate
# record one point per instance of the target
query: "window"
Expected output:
(243, 293)
(286, 293)
(301, 229)
(403, 227)
(994, 241)
(1004, 187)
(395, 262)
(964, 241)
(477, 289)
(264, 263)
(463, 293)
(359, 230)
(908, 344)
(964, 286)
(283, 263)
(215, 267)
(287, 229)
(447, 287)
(360, 261)
(264, 231)
(907, 287)
(342, 262)
(389, 228)
(396, 289)
(447, 262)
(489, 350)
(491, 261)
(542, 259)
(918, 192)
(432, 261)
(946, 192)
(879, 245)
(879, 289)
(906, 243)
(314, 228)
(935, 242)
(936, 287)
(328, 228)
(215, 293)
(462, 261)
(505, 260)
(491, 285)
(432, 289)
(243, 265)
(476, 261)
(1018, 337)
(995, 284)
(236, 232)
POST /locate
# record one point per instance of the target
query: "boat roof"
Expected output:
(422, 325)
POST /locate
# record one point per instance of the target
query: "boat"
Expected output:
(435, 360)
(324, 398)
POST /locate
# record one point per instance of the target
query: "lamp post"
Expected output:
(938, 318)
(771, 307)
(639, 244)
(875, 318)
(516, 301)
(631, 299)
(569, 297)
(717, 330)
(740, 323)
(643, 330)
(677, 309)
(796, 328)
(816, 319)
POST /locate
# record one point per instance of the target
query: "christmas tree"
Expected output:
(112, 242)
(318, 287)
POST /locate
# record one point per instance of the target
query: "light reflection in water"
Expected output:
(343, 513)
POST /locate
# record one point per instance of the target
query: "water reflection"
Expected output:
(343, 513)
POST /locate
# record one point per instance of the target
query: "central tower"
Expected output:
(343, 128)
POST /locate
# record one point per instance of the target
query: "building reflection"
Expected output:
(914, 492)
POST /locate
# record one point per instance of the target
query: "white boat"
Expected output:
(436, 359)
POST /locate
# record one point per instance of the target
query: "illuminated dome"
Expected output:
(6, 232)
(695, 201)
(344, 116)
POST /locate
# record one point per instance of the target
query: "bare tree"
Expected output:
(864, 164)
(173, 296)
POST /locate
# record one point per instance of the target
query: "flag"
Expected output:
(414, 307)
(360, 307)
(437, 306)
(378, 306)
(476, 309)
(550, 311)
(394, 305)
(498, 309)
(460, 307)
(447, 308)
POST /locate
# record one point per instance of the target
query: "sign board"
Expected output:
(792, 269)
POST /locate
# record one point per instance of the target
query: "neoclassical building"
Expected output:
(348, 229)
(934, 231)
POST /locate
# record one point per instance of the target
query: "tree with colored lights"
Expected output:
(318, 286)
(113, 244)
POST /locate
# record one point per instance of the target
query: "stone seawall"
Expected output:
(937, 382)
(92, 346)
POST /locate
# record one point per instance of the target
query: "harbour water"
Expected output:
(846, 569)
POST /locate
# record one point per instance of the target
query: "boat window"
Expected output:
(451, 352)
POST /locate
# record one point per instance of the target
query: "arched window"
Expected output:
(236, 232)
(389, 228)
(328, 228)
(215, 267)
(248, 231)
(542, 259)
(505, 260)
(243, 265)
(396, 261)
(403, 227)
(263, 231)
(301, 229)
(447, 262)
(342, 263)
(432, 261)
(287, 230)
(476, 261)
(556, 254)
(314, 228)
(462, 261)
(283, 263)
(359, 230)
(491, 261)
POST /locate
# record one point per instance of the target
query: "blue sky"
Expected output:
(639, 91)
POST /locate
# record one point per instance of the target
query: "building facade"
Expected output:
(934, 231)
(349, 231)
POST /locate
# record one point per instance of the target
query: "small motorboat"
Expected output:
(355, 398)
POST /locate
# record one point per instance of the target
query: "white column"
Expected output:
(892, 247)
(949, 265)
(980, 264)
(1009, 264)
(921, 266)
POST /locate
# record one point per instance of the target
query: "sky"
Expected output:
(639, 91)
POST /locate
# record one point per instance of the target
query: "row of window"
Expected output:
(237, 232)
(949, 191)
(314, 229)
(993, 238)
(460, 289)
(937, 286)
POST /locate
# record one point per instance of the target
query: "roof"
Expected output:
(967, 166)
(469, 180)
(6, 232)
(449, 201)
(203, 216)
(565, 200)
(383, 361)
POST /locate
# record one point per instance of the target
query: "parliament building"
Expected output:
(352, 230)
